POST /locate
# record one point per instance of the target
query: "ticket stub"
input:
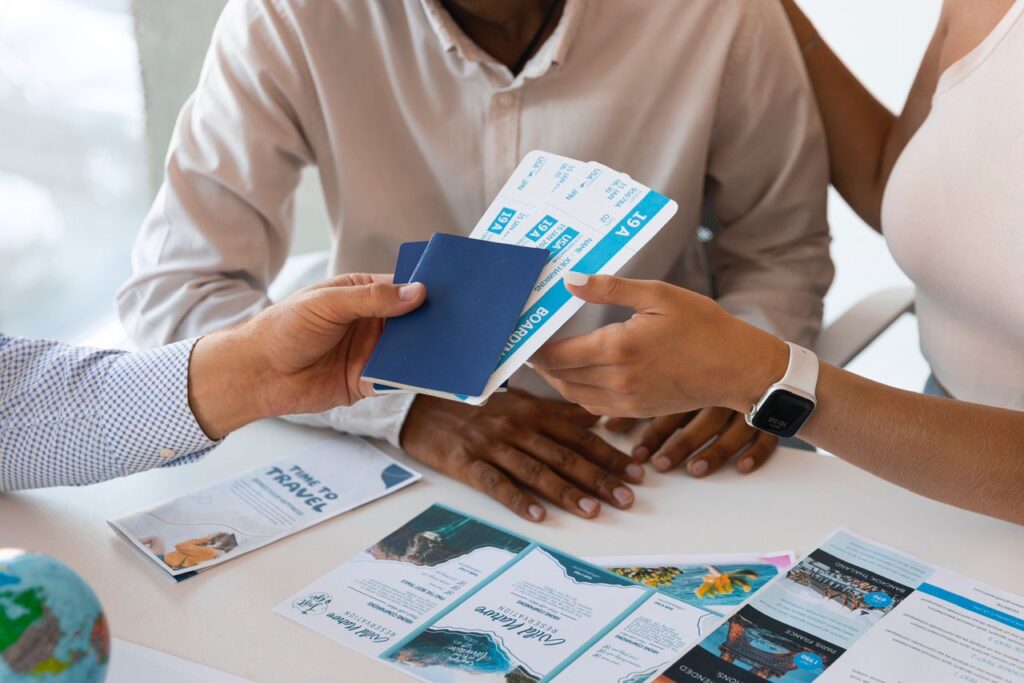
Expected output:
(592, 220)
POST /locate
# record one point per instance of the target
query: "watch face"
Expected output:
(783, 413)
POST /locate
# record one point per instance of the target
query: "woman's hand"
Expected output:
(680, 352)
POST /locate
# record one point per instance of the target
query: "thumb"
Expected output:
(378, 300)
(618, 291)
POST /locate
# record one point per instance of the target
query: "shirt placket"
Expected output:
(501, 138)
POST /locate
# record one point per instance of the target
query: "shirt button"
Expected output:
(505, 99)
(167, 453)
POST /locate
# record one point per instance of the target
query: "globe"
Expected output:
(52, 628)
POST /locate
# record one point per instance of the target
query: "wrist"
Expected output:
(226, 383)
(761, 366)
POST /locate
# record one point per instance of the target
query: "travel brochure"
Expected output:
(856, 610)
(230, 518)
(449, 597)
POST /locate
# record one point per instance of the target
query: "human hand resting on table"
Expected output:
(302, 355)
(679, 353)
(669, 441)
(519, 448)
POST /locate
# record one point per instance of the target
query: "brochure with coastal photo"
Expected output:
(716, 583)
(235, 516)
(858, 611)
(449, 597)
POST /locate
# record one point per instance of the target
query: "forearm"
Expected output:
(969, 455)
(857, 125)
(965, 454)
(71, 416)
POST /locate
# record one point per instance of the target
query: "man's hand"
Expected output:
(302, 355)
(671, 440)
(517, 445)
(668, 441)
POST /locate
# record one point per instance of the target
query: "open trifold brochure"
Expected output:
(448, 597)
(494, 297)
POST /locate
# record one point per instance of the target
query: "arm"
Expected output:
(864, 138)
(71, 416)
(960, 453)
(768, 182)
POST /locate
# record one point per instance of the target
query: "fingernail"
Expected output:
(698, 468)
(536, 512)
(623, 495)
(635, 472)
(529, 365)
(641, 453)
(576, 279)
(746, 464)
(410, 291)
(588, 505)
(661, 463)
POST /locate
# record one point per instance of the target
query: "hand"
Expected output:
(671, 440)
(302, 355)
(517, 445)
(678, 353)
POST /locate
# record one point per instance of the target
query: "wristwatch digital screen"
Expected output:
(788, 403)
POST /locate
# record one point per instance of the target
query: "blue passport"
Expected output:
(475, 293)
(409, 255)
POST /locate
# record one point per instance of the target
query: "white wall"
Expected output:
(882, 41)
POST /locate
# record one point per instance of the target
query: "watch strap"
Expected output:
(802, 371)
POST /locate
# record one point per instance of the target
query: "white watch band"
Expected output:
(802, 371)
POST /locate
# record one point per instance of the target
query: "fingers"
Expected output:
(595, 400)
(735, 437)
(685, 442)
(378, 300)
(620, 425)
(619, 291)
(656, 432)
(531, 470)
(351, 279)
(566, 463)
(581, 351)
(755, 456)
(488, 479)
(595, 449)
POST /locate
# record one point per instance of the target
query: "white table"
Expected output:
(223, 618)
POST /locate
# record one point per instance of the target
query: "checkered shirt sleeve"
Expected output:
(72, 416)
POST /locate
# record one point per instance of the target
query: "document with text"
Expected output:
(855, 610)
(449, 597)
(235, 516)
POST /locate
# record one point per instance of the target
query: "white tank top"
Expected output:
(953, 215)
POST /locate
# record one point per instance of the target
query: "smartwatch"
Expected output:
(788, 403)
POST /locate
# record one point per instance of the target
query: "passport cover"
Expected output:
(475, 293)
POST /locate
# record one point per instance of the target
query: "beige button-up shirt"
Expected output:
(414, 129)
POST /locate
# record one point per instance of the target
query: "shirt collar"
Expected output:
(554, 50)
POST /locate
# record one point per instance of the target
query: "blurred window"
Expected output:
(73, 188)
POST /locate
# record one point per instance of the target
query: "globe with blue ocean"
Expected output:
(52, 628)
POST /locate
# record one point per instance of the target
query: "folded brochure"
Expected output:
(232, 517)
(449, 597)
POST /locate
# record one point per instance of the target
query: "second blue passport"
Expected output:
(475, 293)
